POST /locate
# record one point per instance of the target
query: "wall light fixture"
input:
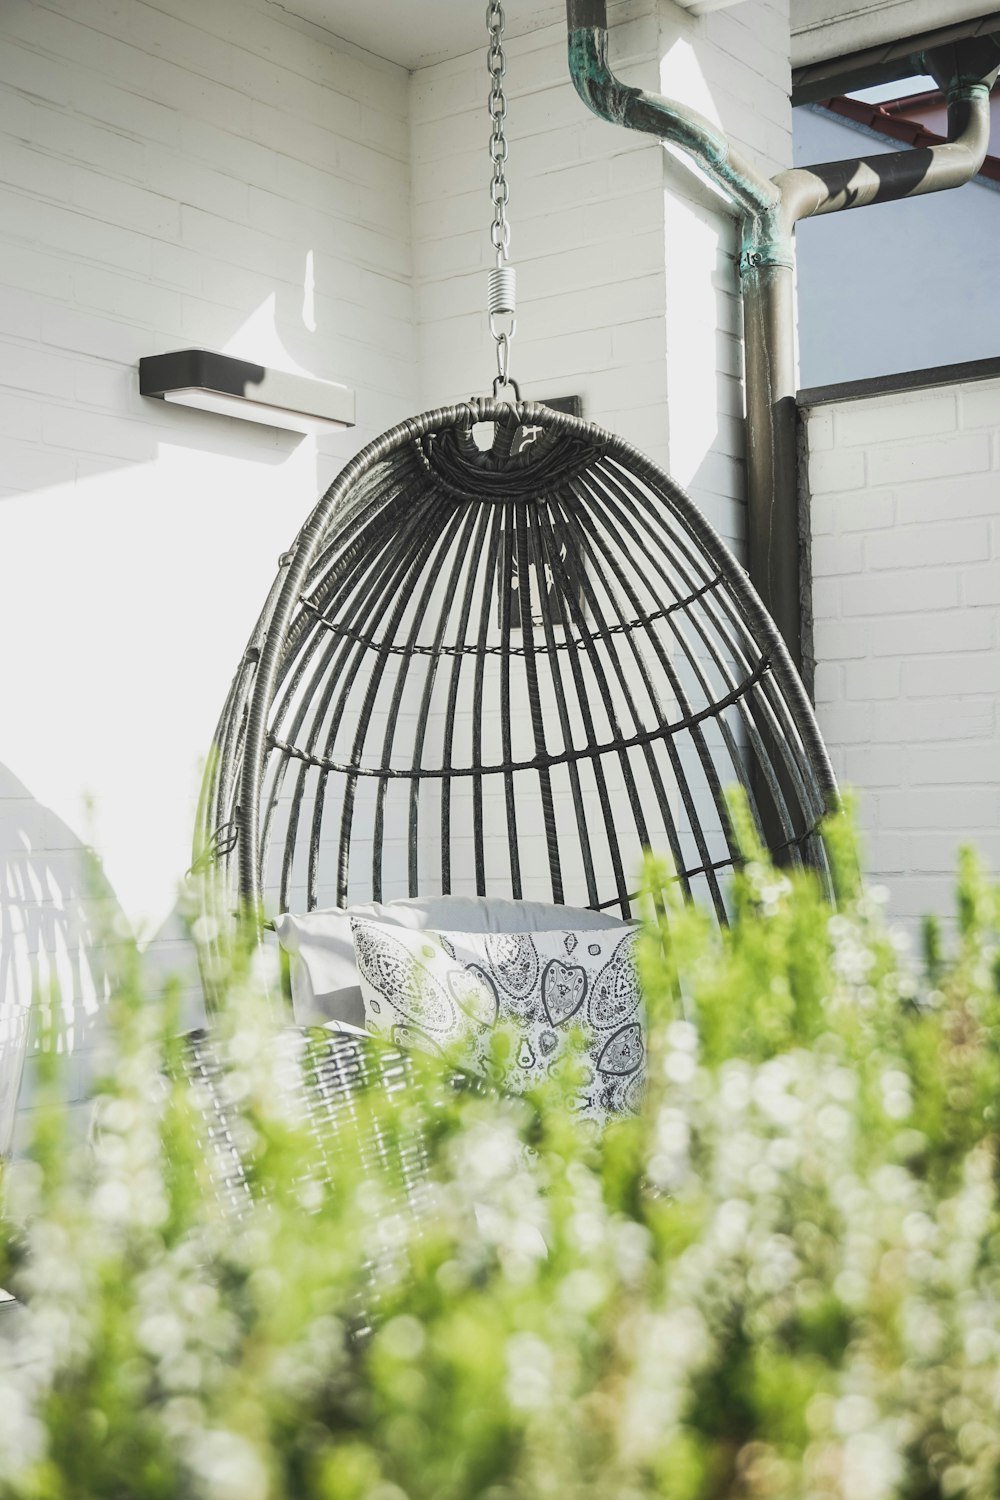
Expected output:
(236, 388)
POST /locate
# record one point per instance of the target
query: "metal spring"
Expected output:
(502, 290)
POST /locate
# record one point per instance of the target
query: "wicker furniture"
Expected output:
(505, 671)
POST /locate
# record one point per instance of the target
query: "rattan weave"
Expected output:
(325, 1076)
(506, 672)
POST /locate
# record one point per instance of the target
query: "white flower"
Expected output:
(530, 1369)
(227, 1466)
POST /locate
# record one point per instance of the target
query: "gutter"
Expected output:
(768, 210)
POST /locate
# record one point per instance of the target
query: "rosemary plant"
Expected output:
(782, 1280)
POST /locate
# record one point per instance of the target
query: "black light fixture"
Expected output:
(237, 388)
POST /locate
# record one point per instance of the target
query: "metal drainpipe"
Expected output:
(769, 209)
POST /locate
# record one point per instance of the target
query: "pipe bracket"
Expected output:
(755, 257)
(965, 92)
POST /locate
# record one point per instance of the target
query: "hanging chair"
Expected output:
(506, 671)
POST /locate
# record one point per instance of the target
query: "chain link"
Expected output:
(496, 64)
(501, 297)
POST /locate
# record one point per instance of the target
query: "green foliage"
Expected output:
(782, 1280)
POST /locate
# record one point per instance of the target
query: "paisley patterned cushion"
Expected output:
(320, 947)
(445, 990)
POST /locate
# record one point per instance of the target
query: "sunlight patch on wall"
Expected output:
(692, 249)
(309, 293)
(681, 78)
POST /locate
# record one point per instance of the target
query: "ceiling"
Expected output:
(416, 32)
(834, 28)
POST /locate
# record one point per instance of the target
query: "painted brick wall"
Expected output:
(627, 289)
(171, 174)
(587, 232)
(733, 66)
(906, 561)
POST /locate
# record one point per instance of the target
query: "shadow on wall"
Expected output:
(61, 927)
(155, 576)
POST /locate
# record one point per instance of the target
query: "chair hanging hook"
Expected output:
(503, 358)
(501, 294)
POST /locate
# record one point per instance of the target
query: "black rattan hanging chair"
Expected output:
(506, 672)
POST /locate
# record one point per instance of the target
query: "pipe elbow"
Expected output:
(603, 94)
(969, 121)
(622, 104)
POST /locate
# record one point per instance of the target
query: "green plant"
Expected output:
(783, 1280)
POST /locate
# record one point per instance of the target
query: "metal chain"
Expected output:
(502, 286)
(496, 64)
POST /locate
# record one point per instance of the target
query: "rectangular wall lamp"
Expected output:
(236, 388)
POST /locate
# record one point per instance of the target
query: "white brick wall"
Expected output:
(733, 66)
(627, 289)
(906, 561)
(587, 232)
(170, 175)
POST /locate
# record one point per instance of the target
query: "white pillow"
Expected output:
(324, 972)
(446, 991)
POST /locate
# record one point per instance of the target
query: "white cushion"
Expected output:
(324, 973)
(448, 991)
